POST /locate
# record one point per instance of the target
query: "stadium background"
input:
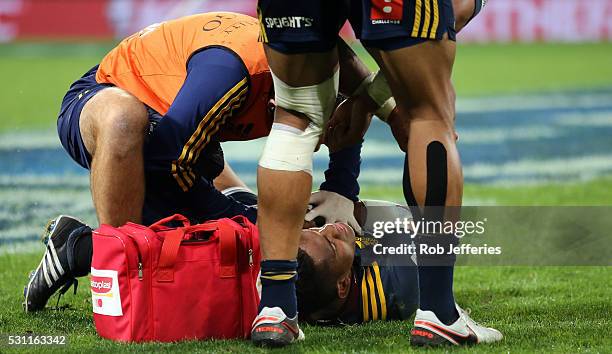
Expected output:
(534, 84)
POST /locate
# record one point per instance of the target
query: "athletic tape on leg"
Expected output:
(316, 102)
(290, 149)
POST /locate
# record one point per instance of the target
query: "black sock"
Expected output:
(80, 251)
(83, 254)
(436, 292)
(278, 286)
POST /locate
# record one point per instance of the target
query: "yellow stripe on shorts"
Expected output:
(436, 22)
(425, 31)
(417, 18)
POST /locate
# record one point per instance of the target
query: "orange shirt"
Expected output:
(152, 66)
(152, 63)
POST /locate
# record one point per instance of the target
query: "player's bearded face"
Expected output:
(333, 244)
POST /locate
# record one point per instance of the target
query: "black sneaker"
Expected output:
(53, 272)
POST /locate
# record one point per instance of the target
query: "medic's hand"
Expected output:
(348, 124)
(333, 208)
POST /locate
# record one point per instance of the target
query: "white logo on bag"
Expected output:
(105, 296)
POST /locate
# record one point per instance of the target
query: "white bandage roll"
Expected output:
(317, 102)
(290, 149)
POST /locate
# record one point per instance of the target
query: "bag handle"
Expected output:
(172, 243)
(159, 225)
(167, 257)
(227, 250)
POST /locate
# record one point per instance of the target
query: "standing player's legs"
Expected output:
(284, 177)
(420, 79)
(417, 59)
(301, 51)
(413, 43)
(113, 126)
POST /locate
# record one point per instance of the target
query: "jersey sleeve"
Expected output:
(215, 88)
(343, 171)
(210, 204)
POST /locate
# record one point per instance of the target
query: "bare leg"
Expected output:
(113, 125)
(283, 195)
(420, 79)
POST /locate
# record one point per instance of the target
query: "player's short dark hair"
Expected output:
(315, 286)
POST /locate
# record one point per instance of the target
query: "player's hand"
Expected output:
(333, 208)
(348, 124)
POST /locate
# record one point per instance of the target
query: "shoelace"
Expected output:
(65, 289)
(466, 314)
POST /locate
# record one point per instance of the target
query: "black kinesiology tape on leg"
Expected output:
(436, 179)
(435, 200)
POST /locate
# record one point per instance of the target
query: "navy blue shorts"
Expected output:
(312, 25)
(68, 127)
(163, 197)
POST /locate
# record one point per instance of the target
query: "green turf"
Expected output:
(593, 192)
(528, 68)
(546, 309)
(37, 75)
(539, 309)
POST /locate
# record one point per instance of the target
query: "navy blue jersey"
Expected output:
(381, 292)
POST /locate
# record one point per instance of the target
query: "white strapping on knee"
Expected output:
(317, 102)
(290, 149)
(379, 91)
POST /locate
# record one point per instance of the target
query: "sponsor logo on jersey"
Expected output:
(289, 22)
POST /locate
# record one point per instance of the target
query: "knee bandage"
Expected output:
(289, 148)
(317, 102)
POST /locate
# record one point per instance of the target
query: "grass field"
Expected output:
(539, 309)
(39, 74)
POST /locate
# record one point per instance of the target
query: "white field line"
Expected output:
(34, 180)
(594, 119)
(531, 102)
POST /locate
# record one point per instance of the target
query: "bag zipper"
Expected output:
(250, 257)
(140, 275)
